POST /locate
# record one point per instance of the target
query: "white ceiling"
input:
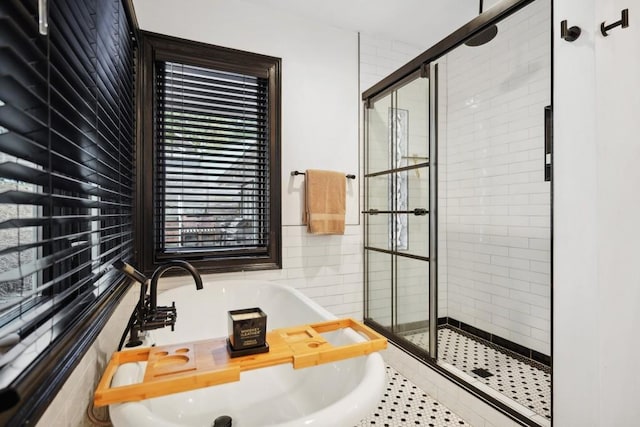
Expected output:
(412, 21)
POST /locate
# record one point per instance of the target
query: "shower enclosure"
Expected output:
(458, 208)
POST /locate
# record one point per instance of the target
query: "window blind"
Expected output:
(66, 168)
(212, 166)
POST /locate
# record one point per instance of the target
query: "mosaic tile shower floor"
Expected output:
(405, 404)
(527, 383)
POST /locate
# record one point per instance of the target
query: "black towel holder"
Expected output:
(296, 173)
(623, 23)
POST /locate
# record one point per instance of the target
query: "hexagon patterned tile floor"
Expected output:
(525, 381)
(404, 404)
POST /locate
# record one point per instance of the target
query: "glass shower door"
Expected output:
(378, 258)
(494, 211)
(458, 211)
(396, 213)
(412, 190)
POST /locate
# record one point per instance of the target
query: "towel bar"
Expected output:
(295, 173)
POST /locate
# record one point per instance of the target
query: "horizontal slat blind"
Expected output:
(66, 167)
(212, 165)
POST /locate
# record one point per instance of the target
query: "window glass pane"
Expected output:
(10, 237)
(212, 178)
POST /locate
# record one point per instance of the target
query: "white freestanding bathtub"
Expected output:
(336, 394)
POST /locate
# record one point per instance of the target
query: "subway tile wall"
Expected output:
(494, 222)
(380, 57)
(328, 269)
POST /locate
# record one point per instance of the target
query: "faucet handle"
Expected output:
(130, 271)
(175, 316)
(160, 317)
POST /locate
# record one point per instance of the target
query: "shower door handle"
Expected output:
(548, 141)
(416, 212)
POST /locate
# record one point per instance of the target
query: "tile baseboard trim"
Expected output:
(477, 333)
(497, 340)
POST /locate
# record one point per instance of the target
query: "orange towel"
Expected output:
(325, 201)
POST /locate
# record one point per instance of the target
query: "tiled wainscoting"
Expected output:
(327, 269)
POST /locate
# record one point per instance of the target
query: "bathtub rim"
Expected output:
(354, 405)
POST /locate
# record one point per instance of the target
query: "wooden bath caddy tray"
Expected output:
(181, 367)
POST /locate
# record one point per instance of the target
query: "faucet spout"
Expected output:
(176, 264)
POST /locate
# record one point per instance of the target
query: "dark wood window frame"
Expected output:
(156, 47)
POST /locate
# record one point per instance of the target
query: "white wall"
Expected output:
(596, 211)
(618, 141)
(495, 258)
(319, 81)
(576, 374)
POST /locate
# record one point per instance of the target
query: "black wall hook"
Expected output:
(623, 22)
(569, 34)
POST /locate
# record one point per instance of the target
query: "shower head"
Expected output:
(484, 36)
